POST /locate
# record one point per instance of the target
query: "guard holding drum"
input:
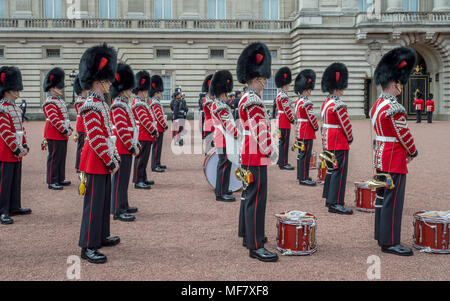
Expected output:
(395, 147)
(253, 69)
(222, 116)
(307, 124)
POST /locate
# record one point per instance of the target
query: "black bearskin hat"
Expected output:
(54, 79)
(10, 80)
(77, 86)
(419, 95)
(283, 77)
(306, 80)
(143, 81)
(335, 77)
(124, 80)
(157, 85)
(396, 66)
(98, 63)
(255, 61)
(222, 82)
(430, 96)
(207, 83)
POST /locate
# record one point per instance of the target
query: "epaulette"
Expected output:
(119, 104)
(338, 104)
(283, 95)
(90, 105)
(3, 109)
(221, 107)
(155, 102)
(395, 108)
(140, 104)
(80, 100)
(306, 102)
(252, 99)
(50, 100)
(208, 101)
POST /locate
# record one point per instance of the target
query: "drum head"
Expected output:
(210, 169)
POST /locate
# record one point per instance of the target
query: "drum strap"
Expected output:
(380, 107)
(326, 107)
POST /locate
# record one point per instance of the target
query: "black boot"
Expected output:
(397, 250)
(225, 198)
(142, 186)
(6, 220)
(339, 209)
(125, 217)
(21, 211)
(263, 255)
(132, 210)
(111, 241)
(308, 183)
(55, 187)
(93, 256)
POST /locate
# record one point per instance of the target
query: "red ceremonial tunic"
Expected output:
(430, 106)
(13, 140)
(99, 150)
(307, 123)
(207, 103)
(223, 123)
(125, 128)
(257, 146)
(337, 131)
(419, 104)
(58, 123)
(158, 111)
(394, 139)
(285, 115)
(78, 104)
(144, 119)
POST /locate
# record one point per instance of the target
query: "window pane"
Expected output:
(2, 8)
(212, 9)
(168, 9)
(274, 9)
(265, 10)
(48, 9)
(270, 91)
(103, 9)
(167, 81)
(112, 9)
(158, 9)
(57, 8)
(222, 9)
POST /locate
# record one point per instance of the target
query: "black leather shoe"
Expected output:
(132, 210)
(21, 211)
(338, 209)
(230, 192)
(6, 220)
(225, 198)
(55, 187)
(264, 255)
(149, 182)
(65, 183)
(111, 241)
(397, 250)
(158, 169)
(93, 256)
(287, 167)
(162, 167)
(125, 217)
(244, 243)
(142, 186)
(308, 183)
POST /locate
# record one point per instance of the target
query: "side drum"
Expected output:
(431, 231)
(210, 171)
(296, 233)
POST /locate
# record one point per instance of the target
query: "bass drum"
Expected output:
(210, 170)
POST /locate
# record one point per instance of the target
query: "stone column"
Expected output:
(394, 6)
(441, 6)
(23, 9)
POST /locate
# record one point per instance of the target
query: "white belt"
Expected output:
(331, 126)
(280, 112)
(386, 139)
(302, 120)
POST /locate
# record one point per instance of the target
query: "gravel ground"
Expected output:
(182, 233)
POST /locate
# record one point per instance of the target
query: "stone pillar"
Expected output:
(441, 6)
(23, 9)
(394, 6)
(308, 5)
(189, 9)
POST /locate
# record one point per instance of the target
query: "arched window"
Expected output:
(52, 9)
(411, 5)
(107, 9)
(270, 9)
(163, 9)
(217, 9)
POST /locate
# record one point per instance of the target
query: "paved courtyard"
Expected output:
(182, 233)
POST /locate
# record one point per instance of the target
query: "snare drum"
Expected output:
(322, 173)
(313, 164)
(365, 198)
(431, 231)
(210, 171)
(296, 233)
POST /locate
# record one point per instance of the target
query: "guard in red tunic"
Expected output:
(148, 130)
(430, 108)
(337, 136)
(307, 124)
(253, 69)
(156, 90)
(208, 127)
(57, 129)
(419, 105)
(395, 147)
(127, 133)
(286, 118)
(99, 158)
(80, 134)
(222, 116)
(13, 145)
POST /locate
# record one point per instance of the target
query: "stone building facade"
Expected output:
(184, 40)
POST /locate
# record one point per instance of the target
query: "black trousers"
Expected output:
(389, 211)
(283, 145)
(336, 180)
(223, 173)
(419, 116)
(252, 215)
(156, 152)
(141, 162)
(95, 224)
(56, 161)
(304, 161)
(119, 187)
(10, 186)
(430, 117)
(80, 145)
